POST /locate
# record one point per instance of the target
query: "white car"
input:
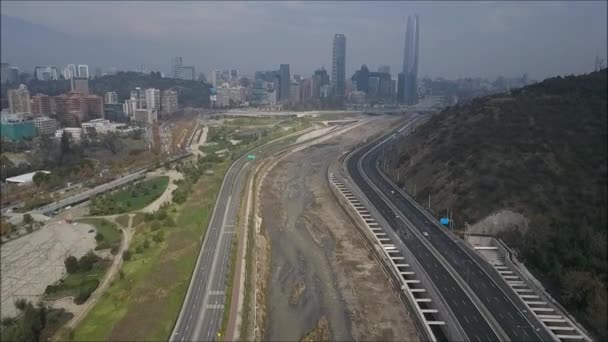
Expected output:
(425, 234)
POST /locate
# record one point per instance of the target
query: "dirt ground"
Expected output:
(36, 260)
(316, 256)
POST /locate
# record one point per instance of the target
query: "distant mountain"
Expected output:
(26, 45)
(540, 151)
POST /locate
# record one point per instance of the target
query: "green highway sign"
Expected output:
(251, 156)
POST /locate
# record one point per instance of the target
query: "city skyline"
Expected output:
(451, 49)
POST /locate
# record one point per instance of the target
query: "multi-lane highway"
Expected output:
(201, 313)
(482, 303)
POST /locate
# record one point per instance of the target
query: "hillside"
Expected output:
(190, 93)
(542, 152)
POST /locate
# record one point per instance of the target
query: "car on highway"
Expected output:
(425, 234)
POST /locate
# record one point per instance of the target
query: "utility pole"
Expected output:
(429, 201)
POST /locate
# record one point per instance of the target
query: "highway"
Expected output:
(202, 311)
(483, 304)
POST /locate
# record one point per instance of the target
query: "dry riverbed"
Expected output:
(317, 279)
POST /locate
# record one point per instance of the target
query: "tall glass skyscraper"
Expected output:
(408, 92)
(338, 65)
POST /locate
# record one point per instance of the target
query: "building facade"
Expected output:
(145, 116)
(83, 71)
(169, 102)
(110, 97)
(79, 85)
(176, 67)
(41, 105)
(17, 130)
(284, 82)
(408, 93)
(46, 73)
(19, 100)
(45, 125)
(338, 69)
(153, 99)
(188, 73)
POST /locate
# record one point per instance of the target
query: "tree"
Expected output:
(40, 178)
(85, 264)
(126, 255)
(99, 237)
(28, 219)
(71, 264)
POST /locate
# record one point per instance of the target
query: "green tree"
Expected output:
(99, 237)
(126, 255)
(71, 264)
(40, 178)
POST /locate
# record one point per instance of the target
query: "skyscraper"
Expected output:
(285, 82)
(176, 67)
(338, 65)
(408, 93)
(83, 71)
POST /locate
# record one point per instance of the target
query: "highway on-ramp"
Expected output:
(482, 303)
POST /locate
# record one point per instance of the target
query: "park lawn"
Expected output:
(146, 303)
(122, 220)
(133, 197)
(137, 219)
(111, 234)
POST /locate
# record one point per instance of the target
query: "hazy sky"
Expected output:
(457, 39)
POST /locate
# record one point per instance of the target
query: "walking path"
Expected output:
(86, 307)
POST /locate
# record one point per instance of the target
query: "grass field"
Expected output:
(73, 282)
(111, 234)
(144, 303)
(133, 197)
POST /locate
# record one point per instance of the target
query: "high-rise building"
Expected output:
(41, 105)
(294, 92)
(19, 100)
(408, 93)
(70, 71)
(46, 73)
(80, 85)
(305, 89)
(13, 75)
(384, 69)
(83, 71)
(110, 97)
(138, 98)
(362, 78)
(188, 73)
(169, 103)
(93, 106)
(216, 76)
(4, 72)
(319, 79)
(338, 66)
(284, 82)
(153, 99)
(176, 67)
